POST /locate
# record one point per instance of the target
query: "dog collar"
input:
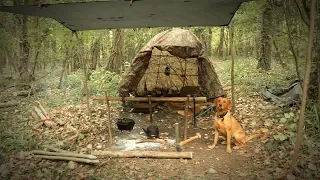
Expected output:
(222, 115)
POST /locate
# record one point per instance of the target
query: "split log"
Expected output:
(67, 154)
(45, 113)
(153, 99)
(48, 123)
(68, 159)
(145, 154)
(8, 104)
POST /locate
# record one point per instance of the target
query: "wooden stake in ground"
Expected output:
(305, 87)
(232, 69)
(145, 154)
(177, 130)
(186, 108)
(109, 118)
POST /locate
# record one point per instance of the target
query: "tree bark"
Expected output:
(314, 89)
(24, 49)
(264, 59)
(95, 53)
(210, 42)
(305, 88)
(278, 56)
(115, 58)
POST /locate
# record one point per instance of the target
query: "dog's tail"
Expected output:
(254, 136)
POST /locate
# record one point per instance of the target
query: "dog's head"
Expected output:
(222, 103)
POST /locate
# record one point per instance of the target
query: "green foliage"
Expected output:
(102, 80)
(14, 134)
(247, 76)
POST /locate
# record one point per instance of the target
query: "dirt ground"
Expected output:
(206, 164)
(260, 159)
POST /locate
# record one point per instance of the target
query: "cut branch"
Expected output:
(145, 154)
(68, 159)
(68, 154)
(8, 104)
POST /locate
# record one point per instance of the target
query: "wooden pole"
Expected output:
(95, 161)
(186, 108)
(232, 69)
(194, 112)
(153, 99)
(305, 88)
(109, 118)
(68, 154)
(145, 154)
(150, 108)
(177, 130)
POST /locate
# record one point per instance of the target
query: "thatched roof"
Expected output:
(180, 50)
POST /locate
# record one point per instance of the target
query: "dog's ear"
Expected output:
(229, 104)
(216, 100)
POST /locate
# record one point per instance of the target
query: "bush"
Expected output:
(102, 80)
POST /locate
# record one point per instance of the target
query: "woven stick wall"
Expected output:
(183, 72)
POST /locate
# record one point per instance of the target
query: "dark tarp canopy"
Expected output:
(143, 13)
(179, 43)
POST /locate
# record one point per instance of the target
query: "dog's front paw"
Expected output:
(211, 147)
(236, 147)
(229, 150)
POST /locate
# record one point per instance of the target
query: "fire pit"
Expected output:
(125, 124)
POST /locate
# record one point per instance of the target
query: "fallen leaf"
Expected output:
(72, 165)
(286, 115)
(290, 176)
(283, 120)
(312, 166)
(212, 171)
(243, 174)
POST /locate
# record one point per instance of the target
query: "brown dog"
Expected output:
(226, 124)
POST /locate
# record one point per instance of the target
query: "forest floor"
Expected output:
(265, 158)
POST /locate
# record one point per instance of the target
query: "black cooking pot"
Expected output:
(125, 124)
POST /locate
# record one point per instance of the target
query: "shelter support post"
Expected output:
(150, 108)
(186, 108)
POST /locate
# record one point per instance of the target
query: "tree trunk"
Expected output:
(95, 54)
(264, 58)
(219, 50)
(210, 42)
(199, 31)
(115, 58)
(24, 49)
(278, 56)
(314, 83)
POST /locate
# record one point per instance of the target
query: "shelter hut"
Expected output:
(172, 60)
